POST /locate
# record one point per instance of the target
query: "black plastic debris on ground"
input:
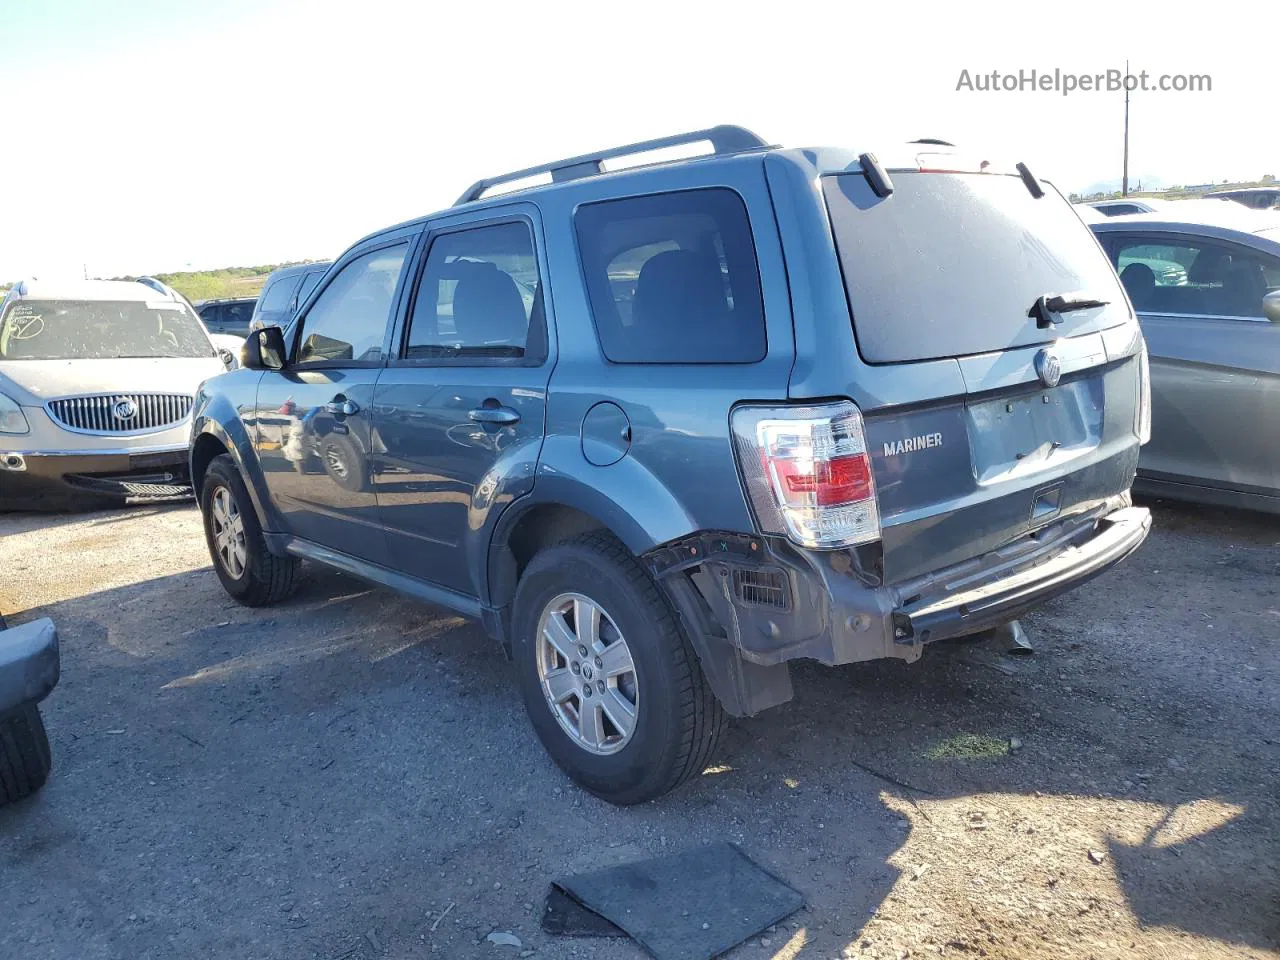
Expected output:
(564, 916)
(692, 906)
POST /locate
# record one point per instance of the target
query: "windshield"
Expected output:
(951, 264)
(100, 330)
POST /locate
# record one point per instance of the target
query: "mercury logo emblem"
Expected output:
(1048, 367)
(124, 409)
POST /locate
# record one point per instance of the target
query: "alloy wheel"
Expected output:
(587, 674)
(228, 533)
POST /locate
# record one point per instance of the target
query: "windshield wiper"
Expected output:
(1048, 309)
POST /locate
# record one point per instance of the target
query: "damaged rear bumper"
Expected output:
(751, 604)
(966, 608)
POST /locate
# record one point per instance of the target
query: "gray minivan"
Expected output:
(286, 289)
(665, 429)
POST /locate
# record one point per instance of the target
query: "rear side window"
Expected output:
(950, 264)
(276, 298)
(349, 319)
(673, 278)
(478, 295)
(235, 318)
(309, 281)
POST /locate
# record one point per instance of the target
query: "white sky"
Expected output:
(144, 136)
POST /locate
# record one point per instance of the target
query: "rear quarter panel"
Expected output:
(679, 473)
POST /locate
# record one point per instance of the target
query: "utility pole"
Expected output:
(1124, 181)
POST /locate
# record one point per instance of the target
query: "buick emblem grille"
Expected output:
(1048, 368)
(124, 409)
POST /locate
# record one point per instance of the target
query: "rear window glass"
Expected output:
(950, 264)
(673, 278)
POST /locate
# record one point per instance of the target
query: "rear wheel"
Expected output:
(25, 758)
(612, 686)
(247, 569)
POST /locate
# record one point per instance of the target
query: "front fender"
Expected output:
(214, 414)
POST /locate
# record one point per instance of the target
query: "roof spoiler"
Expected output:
(724, 139)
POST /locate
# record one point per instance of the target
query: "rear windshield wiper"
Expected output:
(1048, 309)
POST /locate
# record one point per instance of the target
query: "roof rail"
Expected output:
(724, 139)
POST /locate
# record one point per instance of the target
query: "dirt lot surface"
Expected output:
(351, 776)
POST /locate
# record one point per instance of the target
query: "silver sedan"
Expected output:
(1207, 293)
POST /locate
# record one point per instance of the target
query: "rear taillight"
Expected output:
(1144, 396)
(808, 474)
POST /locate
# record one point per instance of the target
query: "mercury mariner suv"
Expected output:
(665, 429)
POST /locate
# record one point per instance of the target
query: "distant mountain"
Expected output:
(1144, 182)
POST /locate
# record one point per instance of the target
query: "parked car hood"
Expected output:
(32, 382)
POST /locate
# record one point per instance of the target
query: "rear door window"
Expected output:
(673, 278)
(1184, 276)
(235, 318)
(950, 264)
(479, 297)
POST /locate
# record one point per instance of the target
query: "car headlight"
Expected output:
(12, 419)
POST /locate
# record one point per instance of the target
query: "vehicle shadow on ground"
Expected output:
(1154, 711)
(91, 512)
(360, 762)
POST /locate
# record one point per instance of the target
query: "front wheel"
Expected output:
(25, 758)
(247, 569)
(612, 686)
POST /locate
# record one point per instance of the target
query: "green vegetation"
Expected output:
(968, 746)
(1178, 193)
(212, 284)
(218, 284)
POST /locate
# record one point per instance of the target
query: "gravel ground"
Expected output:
(351, 776)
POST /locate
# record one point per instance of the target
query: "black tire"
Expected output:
(266, 578)
(25, 758)
(343, 461)
(679, 720)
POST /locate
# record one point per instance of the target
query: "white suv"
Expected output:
(97, 380)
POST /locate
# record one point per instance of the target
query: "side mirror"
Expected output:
(228, 358)
(1271, 306)
(264, 350)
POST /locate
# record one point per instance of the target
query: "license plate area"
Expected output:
(1012, 436)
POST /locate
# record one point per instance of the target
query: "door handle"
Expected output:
(342, 407)
(499, 415)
